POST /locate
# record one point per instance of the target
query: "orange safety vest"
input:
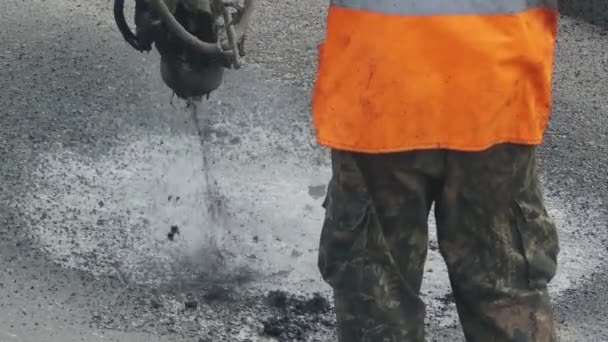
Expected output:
(399, 75)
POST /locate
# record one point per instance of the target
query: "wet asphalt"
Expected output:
(69, 83)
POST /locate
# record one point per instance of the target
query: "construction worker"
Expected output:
(437, 102)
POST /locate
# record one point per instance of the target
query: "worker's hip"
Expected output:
(496, 237)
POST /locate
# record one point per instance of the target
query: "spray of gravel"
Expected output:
(209, 251)
(213, 197)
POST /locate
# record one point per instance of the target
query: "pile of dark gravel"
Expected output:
(296, 316)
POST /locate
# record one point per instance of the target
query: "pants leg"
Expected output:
(374, 243)
(499, 244)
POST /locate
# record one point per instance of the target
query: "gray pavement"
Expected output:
(592, 11)
(93, 159)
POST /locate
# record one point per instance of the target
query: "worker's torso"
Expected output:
(398, 75)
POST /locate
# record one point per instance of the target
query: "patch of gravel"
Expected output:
(231, 316)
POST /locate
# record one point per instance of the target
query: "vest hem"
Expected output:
(427, 146)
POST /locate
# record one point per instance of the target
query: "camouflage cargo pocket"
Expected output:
(539, 238)
(343, 237)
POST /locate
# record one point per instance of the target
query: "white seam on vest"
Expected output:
(445, 7)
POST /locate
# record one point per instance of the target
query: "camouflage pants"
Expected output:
(498, 242)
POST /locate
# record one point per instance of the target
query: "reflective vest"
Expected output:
(399, 75)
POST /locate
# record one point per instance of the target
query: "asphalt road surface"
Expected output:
(592, 11)
(96, 166)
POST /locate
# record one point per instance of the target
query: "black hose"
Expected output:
(123, 27)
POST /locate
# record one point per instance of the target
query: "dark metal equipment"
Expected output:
(196, 39)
